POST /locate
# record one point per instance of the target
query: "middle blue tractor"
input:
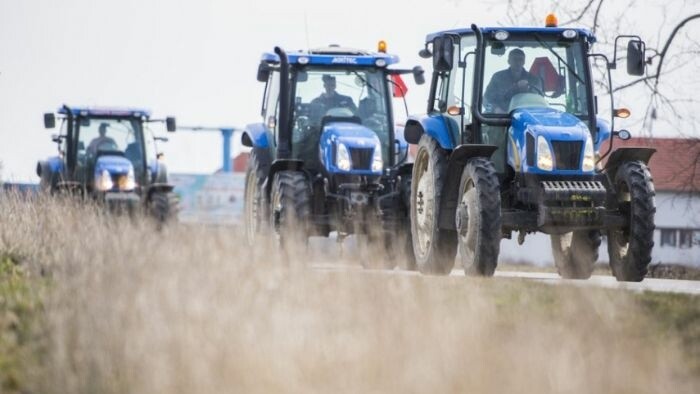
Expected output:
(326, 157)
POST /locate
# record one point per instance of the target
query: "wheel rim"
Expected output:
(467, 222)
(251, 208)
(424, 204)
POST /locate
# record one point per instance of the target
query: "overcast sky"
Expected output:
(195, 60)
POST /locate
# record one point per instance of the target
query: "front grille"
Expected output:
(361, 158)
(567, 154)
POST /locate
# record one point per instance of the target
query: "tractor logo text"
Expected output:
(344, 60)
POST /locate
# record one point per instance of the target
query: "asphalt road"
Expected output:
(649, 284)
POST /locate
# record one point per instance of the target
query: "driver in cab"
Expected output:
(101, 141)
(506, 83)
(330, 99)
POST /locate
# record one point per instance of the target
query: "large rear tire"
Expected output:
(478, 217)
(254, 207)
(434, 248)
(630, 248)
(290, 208)
(575, 253)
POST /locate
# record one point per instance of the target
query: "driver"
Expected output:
(509, 82)
(102, 139)
(330, 98)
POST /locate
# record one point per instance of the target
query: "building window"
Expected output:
(685, 239)
(668, 237)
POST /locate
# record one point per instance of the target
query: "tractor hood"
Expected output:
(361, 144)
(115, 165)
(551, 123)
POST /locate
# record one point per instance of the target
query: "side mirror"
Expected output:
(425, 53)
(419, 75)
(443, 53)
(170, 124)
(263, 72)
(49, 120)
(635, 58)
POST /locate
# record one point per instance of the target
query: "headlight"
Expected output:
(342, 158)
(127, 182)
(377, 162)
(588, 155)
(103, 181)
(545, 161)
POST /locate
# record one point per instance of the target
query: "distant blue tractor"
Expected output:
(109, 155)
(511, 142)
(326, 157)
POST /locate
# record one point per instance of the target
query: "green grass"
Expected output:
(20, 308)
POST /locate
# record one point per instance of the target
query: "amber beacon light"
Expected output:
(381, 46)
(551, 20)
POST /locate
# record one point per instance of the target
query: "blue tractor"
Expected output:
(326, 157)
(109, 155)
(511, 142)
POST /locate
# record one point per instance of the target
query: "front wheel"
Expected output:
(254, 204)
(575, 253)
(478, 217)
(434, 248)
(630, 247)
(290, 208)
(164, 206)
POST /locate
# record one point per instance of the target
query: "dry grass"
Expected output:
(193, 310)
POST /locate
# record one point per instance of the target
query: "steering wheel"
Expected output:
(107, 145)
(535, 89)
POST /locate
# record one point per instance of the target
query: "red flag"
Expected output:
(400, 88)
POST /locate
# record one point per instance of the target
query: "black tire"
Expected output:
(254, 206)
(478, 217)
(290, 207)
(164, 206)
(402, 243)
(630, 248)
(575, 253)
(434, 248)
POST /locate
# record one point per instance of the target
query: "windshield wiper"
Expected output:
(364, 81)
(571, 69)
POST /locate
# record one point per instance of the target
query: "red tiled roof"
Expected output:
(676, 164)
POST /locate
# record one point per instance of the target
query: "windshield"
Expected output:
(534, 71)
(120, 136)
(348, 93)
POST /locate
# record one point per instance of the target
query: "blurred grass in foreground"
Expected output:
(192, 309)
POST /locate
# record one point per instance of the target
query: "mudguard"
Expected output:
(622, 155)
(255, 136)
(604, 133)
(281, 165)
(441, 128)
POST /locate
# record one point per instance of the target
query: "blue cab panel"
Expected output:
(514, 30)
(353, 136)
(350, 58)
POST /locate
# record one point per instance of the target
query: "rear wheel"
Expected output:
(630, 247)
(254, 204)
(434, 248)
(290, 208)
(478, 217)
(575, 253)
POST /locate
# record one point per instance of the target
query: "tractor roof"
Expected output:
(334, 56)
(105, 111)
(514, 30)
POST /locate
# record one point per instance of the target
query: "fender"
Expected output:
(255, 136)
(281, 165)
(455, 166)
(622, 155)
(443, 129)
(604, 133)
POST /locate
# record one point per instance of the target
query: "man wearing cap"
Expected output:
(330, 98)
(509, 82)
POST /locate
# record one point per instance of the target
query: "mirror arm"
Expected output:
(613, 65)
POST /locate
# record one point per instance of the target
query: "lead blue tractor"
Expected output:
(109, 155)
(512, 143)
(326, 157)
